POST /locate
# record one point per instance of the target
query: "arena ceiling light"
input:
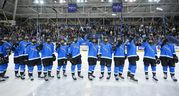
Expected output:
(39, 2)
(81, 1)
(55, 1)
(36, 1)
(114, 14)
(110, 0)
(159, 9)
(130, 1)
(152, 1)
(62, 1)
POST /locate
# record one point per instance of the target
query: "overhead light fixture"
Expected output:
(110, 0)
(130, 1)
(113, 14)
(160, 9)
(55, 1)
(78, 1)
(81, 1)
(62, 1)
(152, 1)
(41, 2)
(36, 1)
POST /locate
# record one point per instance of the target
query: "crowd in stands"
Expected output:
(67, 32)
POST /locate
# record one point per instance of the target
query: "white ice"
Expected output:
(84, 87)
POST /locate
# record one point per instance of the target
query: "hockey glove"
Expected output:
(8, 51)
(157, 60)
(99, 57)
(53, 57)
(137, 58)
(125, 57)
(175, 58)
(1, 59)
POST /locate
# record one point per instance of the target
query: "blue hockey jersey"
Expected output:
(131, 49)
(74, 48)
(7, 44)
(167, 50)
(7, 47)
(16, 54)
(32, 52)
(172, 48)
(62, 52)
(1, 50)
(47, 50)
(22, 48)
(93, 50)
(106, 50)
(150, 51)
(120, 51)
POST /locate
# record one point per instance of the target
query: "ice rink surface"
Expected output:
(84, 87)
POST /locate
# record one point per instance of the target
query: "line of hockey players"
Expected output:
(27, 53)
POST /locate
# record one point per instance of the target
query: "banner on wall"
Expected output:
(117, 7)
(72, 8)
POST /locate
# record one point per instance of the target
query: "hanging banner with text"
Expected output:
(117, 7)
(72, 8)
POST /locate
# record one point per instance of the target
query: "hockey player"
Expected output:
(168, 59)
(93, 50)
(23, 56)
(119, 59)
(105, 57)
(74, 54)
(48, 57)
(7, 45)
(1, 60)
(62, 50)
(15, 50)
(34, 59)
(132, 58)
(150, 58)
